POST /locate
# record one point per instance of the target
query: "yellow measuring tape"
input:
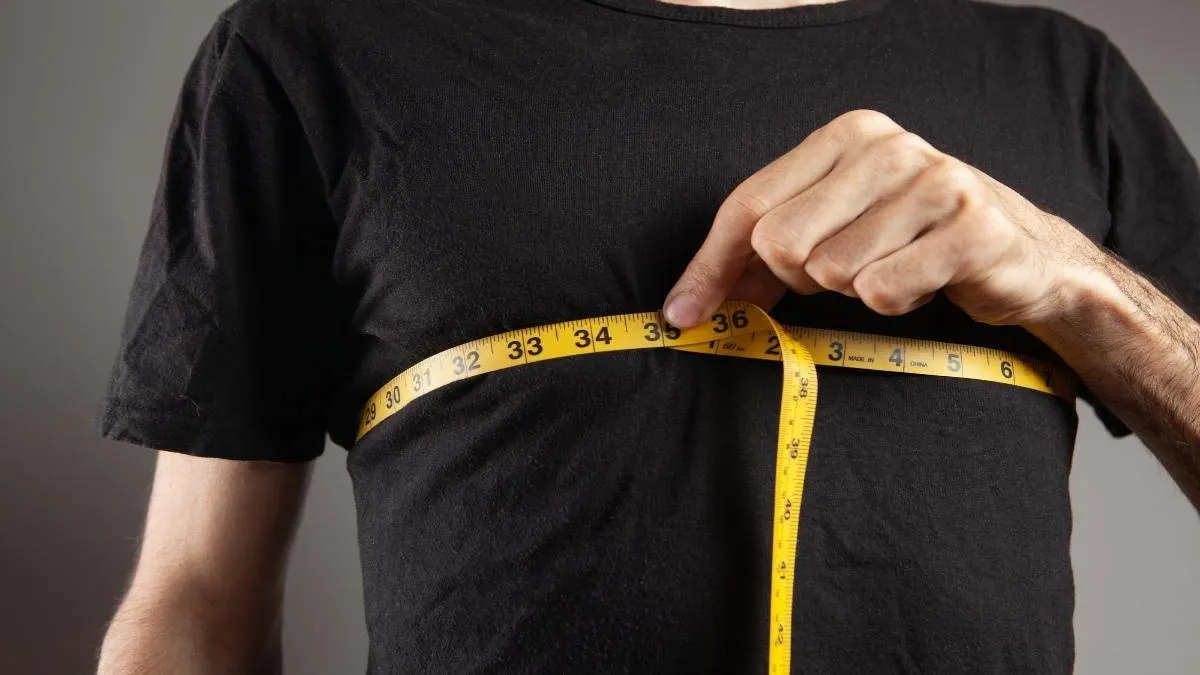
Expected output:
(736, 329)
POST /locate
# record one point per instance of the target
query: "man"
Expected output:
(350, 187)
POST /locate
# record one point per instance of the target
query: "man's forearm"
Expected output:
(207, 590)
(1139, 352)
(185, 634)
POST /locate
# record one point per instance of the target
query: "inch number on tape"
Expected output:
(745, 330)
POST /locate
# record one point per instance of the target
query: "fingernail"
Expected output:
(682, 311)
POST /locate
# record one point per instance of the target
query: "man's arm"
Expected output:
(1139, 352)
(207, 590)
(864, 208)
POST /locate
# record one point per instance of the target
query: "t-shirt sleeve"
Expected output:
(1153, 196)
(227, 344)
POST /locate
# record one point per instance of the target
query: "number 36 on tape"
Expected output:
(743, 330)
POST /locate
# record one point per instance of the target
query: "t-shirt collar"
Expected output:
(782, 17)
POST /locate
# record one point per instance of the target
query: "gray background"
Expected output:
(87, 90)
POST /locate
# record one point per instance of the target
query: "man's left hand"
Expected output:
(864, 208)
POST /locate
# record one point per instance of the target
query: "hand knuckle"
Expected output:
(836, 133)
(941, 172)
(942, 185)
(865, 118)
(874, 293)
(858, 124)
(823, 267)
(972, 193)
(771, 244)
(958, 175)
(913, 145)
(895, 154)
(892, 308)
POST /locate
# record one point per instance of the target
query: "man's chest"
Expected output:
(485, 195)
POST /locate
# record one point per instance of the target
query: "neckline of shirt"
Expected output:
(780, 17)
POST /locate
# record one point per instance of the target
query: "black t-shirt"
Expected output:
(350, 186)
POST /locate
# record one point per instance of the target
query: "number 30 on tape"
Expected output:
(743, 330)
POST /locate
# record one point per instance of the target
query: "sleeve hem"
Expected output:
(1113, 424)
(121, 420)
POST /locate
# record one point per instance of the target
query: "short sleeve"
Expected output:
(1153, 196)
(227, 344)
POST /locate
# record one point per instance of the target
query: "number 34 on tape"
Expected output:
(745, 330)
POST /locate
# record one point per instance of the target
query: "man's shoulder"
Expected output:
(1054, 47)
(1034, 24)
(267, 19)
(252, 14)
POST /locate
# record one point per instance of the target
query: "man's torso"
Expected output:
(496, 165)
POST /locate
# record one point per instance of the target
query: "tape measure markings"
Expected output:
(743, 330)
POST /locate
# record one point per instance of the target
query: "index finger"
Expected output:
(722, 258)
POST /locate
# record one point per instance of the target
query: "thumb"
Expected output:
(716, 268)
(703, 286)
